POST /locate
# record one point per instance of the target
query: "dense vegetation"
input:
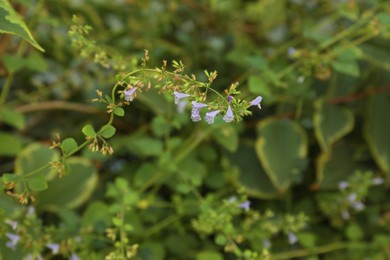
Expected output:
(211, 129)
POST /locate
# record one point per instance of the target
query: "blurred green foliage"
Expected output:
(314, 163)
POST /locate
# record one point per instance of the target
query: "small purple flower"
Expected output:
(210, 116)
(291, 52)
(129, 94)
(54, 247)
(12, 223)
(343, 185)
(229, 115)
(378, 181)
(74, 257)
(195, 111)
(179, 96)
(13, 240)
(257, 101)
(181, 106)
(230, 98)
(292, 238)
(245, 205)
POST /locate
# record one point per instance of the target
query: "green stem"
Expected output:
(6, 87)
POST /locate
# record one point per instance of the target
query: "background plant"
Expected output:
(304, 176)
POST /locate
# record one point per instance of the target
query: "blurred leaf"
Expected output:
(68, 145)
(11, 22)
(227, 137)
(36, 62)
(251, 174)
(13, 62)
(151, 250)
(331, 123)
(144, 174)
(96, 213)
(306, 239)
(208, 255)
(73, 189)
(281, 147)
(257, 86)
(107, 131)
(33, 157)
(160, 126)
(12, 117)
(37, 182)
(89, 131)
(10, 144)
(10, 177)
(335, 165)
(347, 67)
(377, 129)
(144, 146)
(354, 232)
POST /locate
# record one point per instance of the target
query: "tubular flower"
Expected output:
(13, 240)
(55, 248)
(257, 101)
(245, 205)
(210, 116)
(179, 96)
(229, 115)
(195, 111)
(129, 94)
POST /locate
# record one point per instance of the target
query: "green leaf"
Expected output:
(10, 177)
(251, 174)
(12, 23)
(73, 189)
(107, 131)
(96, 213)
(258, 86)
(354, 232)
(306, 239)
(12, 117)
(160, 126)
(10, 144)
(208, 255)
(37, 182)
(13, 62)
(36, 62)
(227, 137)
(347, 67)
(33, 157)
(144, 174)
(119, 111)
(282, 150)
(143, 146)
(68, 145)
(89, 131)
(335, 165)
(331, 123)
(377, 129)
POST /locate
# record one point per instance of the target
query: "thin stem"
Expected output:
(61, 105)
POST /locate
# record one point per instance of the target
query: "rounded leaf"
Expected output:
(89, 131)
(282, 150)
(107, 131)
